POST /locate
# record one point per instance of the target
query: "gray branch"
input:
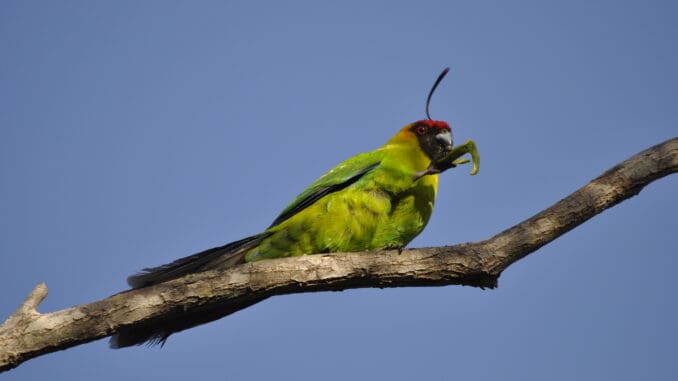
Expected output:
(27, 333)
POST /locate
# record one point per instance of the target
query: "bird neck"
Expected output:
(406, 154)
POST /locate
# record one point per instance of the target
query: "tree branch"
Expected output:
(27, 333)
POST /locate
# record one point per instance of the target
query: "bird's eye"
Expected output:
(422, 130)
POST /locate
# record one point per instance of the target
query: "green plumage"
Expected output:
(375, 200)
(382, 207)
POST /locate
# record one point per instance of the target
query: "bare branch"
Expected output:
(27, 334)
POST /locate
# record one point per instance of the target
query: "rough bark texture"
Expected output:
(27, 333)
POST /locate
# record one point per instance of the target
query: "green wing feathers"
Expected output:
(341, 176)
(371, 201)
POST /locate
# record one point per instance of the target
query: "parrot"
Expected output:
(376, 200)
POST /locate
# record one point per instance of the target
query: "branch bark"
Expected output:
(27, 333)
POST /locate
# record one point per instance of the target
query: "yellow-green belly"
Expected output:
(353, 219)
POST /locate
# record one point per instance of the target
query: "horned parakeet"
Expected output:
(375, 200)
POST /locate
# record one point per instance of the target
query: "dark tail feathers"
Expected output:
(217, 258)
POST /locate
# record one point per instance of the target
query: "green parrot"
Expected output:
(375, 200)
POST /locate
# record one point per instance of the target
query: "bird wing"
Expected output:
(338, 178)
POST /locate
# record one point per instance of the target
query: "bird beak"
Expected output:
(445, 137)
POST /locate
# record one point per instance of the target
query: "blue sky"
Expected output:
(133, 133)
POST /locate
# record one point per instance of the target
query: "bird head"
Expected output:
(434, 137)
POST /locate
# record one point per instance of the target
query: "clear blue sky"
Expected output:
(133, 133)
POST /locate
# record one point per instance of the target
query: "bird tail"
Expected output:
(157, 332)
(220, 257)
